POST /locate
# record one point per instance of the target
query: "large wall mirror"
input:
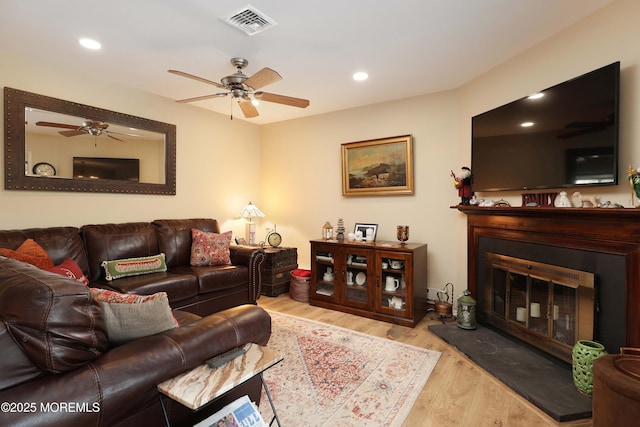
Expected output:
(57, 145)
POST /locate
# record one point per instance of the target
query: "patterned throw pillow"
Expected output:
(210, 248)
(118, 268)
(130, 316)
(69, 268)
(30, 252)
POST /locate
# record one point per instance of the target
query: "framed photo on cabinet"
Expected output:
(378, 167)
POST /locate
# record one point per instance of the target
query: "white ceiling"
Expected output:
(408, 47)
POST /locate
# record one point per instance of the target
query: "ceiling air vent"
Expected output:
(250, 20)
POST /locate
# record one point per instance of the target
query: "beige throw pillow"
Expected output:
(129, 316)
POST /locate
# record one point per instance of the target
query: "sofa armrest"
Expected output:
(123, 381)
(251, 257)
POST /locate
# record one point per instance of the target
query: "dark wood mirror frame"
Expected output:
(15, 102)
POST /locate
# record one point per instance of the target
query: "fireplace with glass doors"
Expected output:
(551, 276)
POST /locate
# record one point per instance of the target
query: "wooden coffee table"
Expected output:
(202, 385)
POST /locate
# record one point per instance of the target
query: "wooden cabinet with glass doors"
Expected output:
(383, 280)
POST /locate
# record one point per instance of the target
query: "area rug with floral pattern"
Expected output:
(332, 376)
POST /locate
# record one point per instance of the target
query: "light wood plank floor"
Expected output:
(458, 393)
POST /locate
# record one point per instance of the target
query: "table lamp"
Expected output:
(249, 212)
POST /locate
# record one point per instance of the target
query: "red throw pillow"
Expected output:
(69, 268)
(210, 248)
(30, 252)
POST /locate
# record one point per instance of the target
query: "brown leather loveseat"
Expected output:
(57, 367)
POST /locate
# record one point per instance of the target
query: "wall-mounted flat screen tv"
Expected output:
(564, 136)
(106, 168)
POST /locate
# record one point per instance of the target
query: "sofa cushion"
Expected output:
(54, 320)
(70, 269)
(209, 248)
(178, 286)
(59, 242)
(220, 279)
(30, 252)
(118, 268)
(105, 242)
(130, 316)
(174, 237)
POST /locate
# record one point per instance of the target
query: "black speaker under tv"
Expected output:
(564, 136)
(106, 168)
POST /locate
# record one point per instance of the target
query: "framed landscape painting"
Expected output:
(378, 167)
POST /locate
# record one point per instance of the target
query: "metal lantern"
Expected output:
(466, 311)
(327, 231)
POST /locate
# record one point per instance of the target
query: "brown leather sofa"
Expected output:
(56, 365)
(199, 290)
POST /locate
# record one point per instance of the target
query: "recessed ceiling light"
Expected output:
(360, 76)
(255, 102)
(536, 95)
(526, 124)
(90, 44)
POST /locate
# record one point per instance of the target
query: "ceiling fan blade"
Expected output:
(202, 98)
(264, 77)
(248, 109)
(57, 125)
(125, 134)
(200, 79)
(281, 99)
(113, 137)
(75, 132)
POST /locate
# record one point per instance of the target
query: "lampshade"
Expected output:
(251, 211)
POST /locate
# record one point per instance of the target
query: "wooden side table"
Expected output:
(276, 269)
(202, 385)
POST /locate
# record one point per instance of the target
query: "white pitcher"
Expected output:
(391, 284)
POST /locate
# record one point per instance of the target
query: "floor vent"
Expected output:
(249, 20)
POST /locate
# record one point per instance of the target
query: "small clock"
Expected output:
(274, 238)
(44, 169)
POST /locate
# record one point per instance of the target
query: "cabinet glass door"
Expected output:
(358, 277)
(323, 271)
(394, 277)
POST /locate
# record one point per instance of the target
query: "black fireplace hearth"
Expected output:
(543, 380)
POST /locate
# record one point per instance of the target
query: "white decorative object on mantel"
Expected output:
(563, 201)
(584, 201)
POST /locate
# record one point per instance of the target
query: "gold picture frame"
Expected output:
(378, 167)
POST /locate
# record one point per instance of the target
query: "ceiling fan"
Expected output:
(241, 88)
(90, 127)
(586, 127)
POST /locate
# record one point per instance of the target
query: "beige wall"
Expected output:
(301, 184)
(218, 160)
(302, 176)
(292, 170)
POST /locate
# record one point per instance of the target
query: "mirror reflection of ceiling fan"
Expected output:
(243, 88)
(89, 127)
